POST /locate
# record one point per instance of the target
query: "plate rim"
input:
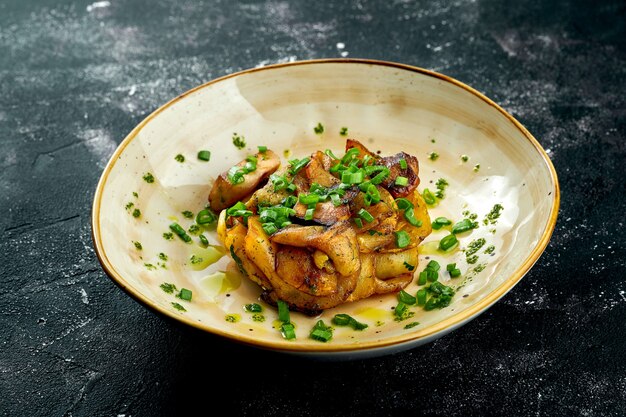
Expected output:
(451, 322)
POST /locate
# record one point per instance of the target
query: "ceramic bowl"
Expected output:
(390, 107)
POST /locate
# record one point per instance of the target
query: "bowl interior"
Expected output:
(389, 108)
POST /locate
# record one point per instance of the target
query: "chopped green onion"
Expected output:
(403, 164)
(432, 275)
(269, 228)
(352, 177)
(450, 267)
(409, 215)
(206, 216)
(290, 201)
(448, 242)
(308, 199)
(349, 156)
(180, 158)
(400, 309)
(283, 311)
(406, 298)
(463, 226)
(429, 198)
(380, 177)
(291, 188)
(335, 199)
(365, 215)
(402, 181)
(288, 331)
(297, 165)
(346, 320)
(455, 273)
(421, 297)
(319, 129)
(136, 213)
(343, 131)
(358, 222)
(402, 239)
(188, 214)
(434, 265)
(253, 308)
(372, 195)
(433, 156)
(408, 266)
(168, 288)
(403, 203)
(330, 153)
(204, 240)
(308, 215)
(422, 278)
(235, 175)
(321, 332)
(262, 149)
(204, 155)
(184, 294)
(148, 177)
(239, 141)
(440, 222)
(180, 232)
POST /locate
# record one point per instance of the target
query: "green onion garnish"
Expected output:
(136, 213)
(358, 222)
(402, 239)
(253, 308)
(180, 232)
(288, 331)
(448, 242)
(180, 158)
(408, 266)
(204, 240)
(352, 177)
(308, 199)
(450, 267)
(184, 294)
(330, 153)
(434, 265)
(321, 332)
(343, 131)
(372, 195)
(346, 320)
(262, 148)
(403, 164)
(406, 298)
(205, 216)
(403, 204)
(148, 177)
(421, 297)
(402, 181)
(432, 275)
(400, 309)
(290, 201)
(319, 129)
(455, 273)
(365, 215)
(204, 155)
(269, 228)
(422, 278)
(297, 165)
(409, 215)
(335, 199)
(188, 214)
(283, 311)
(308, 215)
(429, 198)
(439, 222)
(463, 226)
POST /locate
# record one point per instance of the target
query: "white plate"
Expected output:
(390, 107)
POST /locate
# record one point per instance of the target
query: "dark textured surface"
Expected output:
(75, 77)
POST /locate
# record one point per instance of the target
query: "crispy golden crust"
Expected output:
(329, 261)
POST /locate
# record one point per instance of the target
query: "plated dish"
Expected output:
(473, 185)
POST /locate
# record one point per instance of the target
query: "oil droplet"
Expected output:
(219, 283)
(208, 256)
(372, 313)
(432, 248)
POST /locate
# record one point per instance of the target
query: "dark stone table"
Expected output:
(77, 76)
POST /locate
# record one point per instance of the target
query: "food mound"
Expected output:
(322, 231)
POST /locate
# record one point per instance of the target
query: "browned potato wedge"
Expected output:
(224, 194)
